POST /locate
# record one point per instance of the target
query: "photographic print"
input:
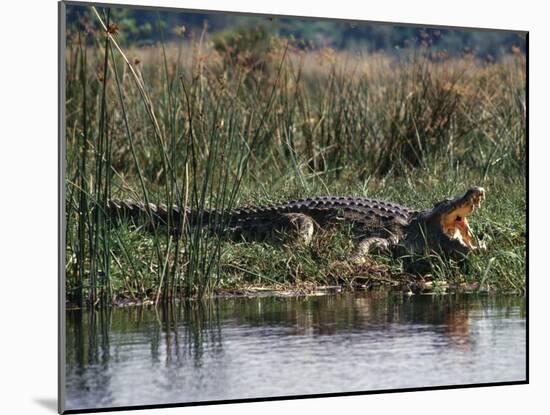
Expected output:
(259, 207)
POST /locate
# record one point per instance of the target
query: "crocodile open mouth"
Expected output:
(454, 223)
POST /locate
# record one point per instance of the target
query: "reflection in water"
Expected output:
(272, 346)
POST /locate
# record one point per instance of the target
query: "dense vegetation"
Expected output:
(250, 118)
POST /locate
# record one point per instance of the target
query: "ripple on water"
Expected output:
(259, 347)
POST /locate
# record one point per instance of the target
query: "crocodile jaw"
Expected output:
(454, 222)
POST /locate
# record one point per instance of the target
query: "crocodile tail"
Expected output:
(139, 212)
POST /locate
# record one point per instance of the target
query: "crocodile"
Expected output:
(377, 224)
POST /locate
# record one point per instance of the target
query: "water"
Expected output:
(272, 346)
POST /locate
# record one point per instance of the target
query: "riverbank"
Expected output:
(250, 267)
(405, 289)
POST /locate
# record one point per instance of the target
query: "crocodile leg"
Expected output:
(366, 245)
(301, 226)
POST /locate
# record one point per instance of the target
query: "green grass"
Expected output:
(245, 265)
(183, 124)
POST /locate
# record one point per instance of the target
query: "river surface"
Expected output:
(280, 346)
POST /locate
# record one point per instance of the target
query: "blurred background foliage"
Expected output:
(140, 27)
